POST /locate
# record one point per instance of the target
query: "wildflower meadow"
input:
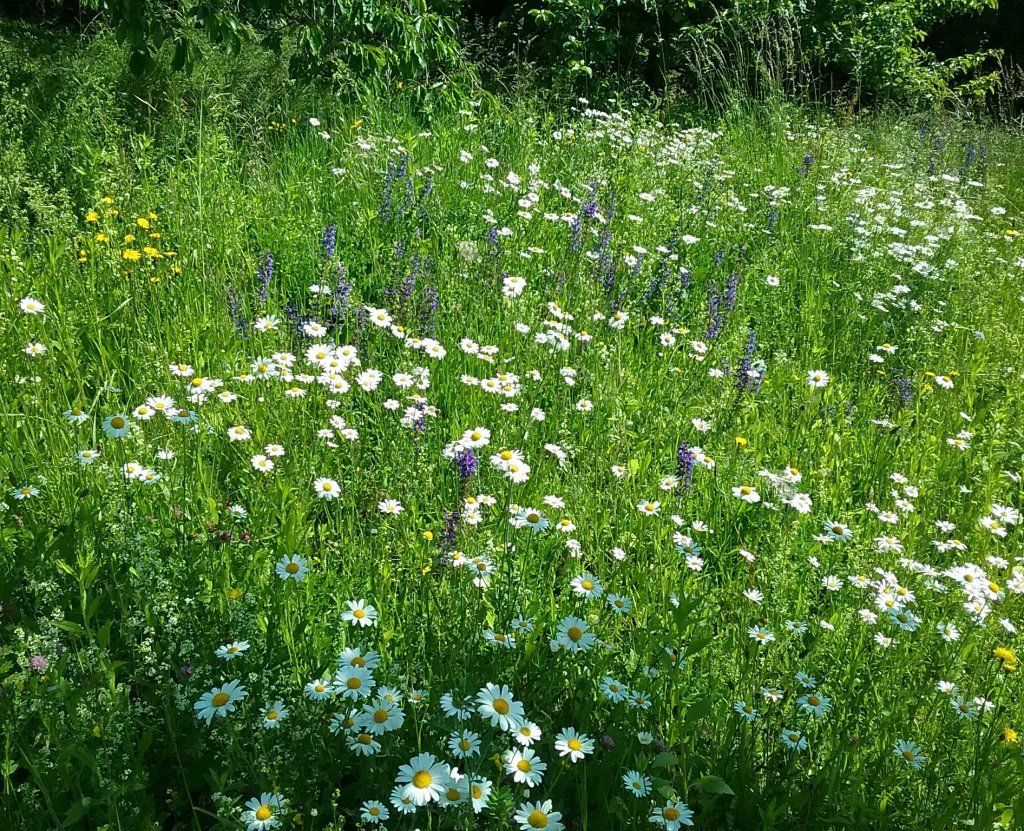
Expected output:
(519, 469)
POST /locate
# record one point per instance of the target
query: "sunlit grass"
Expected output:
(754, 536)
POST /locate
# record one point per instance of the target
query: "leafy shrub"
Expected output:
(876, 47)
(406, 39)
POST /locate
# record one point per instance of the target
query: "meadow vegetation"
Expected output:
(410, 456)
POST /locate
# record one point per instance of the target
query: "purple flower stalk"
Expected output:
(466, 463)
(684, 465)
(264, 274)
(329, 241)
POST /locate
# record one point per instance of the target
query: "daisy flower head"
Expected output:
(573, 744)
(220, 701)
(672, 816)
(536, 815)
(525, 767)
(746, 494)
(497, 705)
(319, 690)
(291, 567)
(326, 488)
(817, 378)
(636, 783)
(116, 426)
(910, 753)
(423, 778)
(573, 635)
(374, 812)
(359, 613)
(274, 715)
(527, 734)
(76, 415)
(230, 651)
(263, 812)
(353, 683)
(464, 744)
(794, 740)
(31, 306)
(587, 585)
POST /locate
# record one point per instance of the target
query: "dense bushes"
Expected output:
(912, 51)
(874, 47)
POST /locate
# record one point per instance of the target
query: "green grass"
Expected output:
(127, 588)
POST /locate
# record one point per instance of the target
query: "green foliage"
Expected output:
(700, 50)
(322, 37)
(877, 47)
(127, 588)
(881, 46)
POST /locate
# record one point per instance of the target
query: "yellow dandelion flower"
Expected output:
(1005, 654)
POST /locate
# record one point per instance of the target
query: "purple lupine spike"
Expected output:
(340, 297)
(653, 290)
(428, 311)
(590, 206)
(731, 288)
(329, 241)
(745, 380)
(715, 320)
(684, 278)
(575, 231)
(451, 526)
(294, 318)
(392, 172)
(236, 313)
(904, 387)
(408, 286)
(264, 274)
(423, 197)
(684, 465)
(972, 153)
(466, 463)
